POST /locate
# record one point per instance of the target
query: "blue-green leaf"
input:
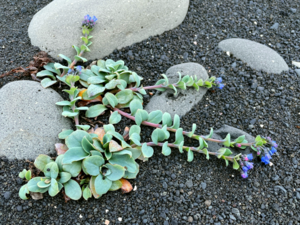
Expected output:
(176, 123)
(53, 189)
(134, 106)
(102, 185)
(45, 73)
(147, 151)
(47, 82)
(140, 116)
(179, 136)
(190, 134)
(86, 193)
(167, 119)
(227, 141)
(124, 160)
(73, 190)
(190, 155)
(117, 172)
(92, 164)
(166, 150)
(95, 110)
(51, 170)
(23, 191)
(155, 117)
(113, 101)
(74, 154)
(74, 168)
(124, 96)
(115, 118)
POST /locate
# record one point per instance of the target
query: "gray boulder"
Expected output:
(234, 133)
(256, 55)
(121, 23)
(185, 99)
(29, 120)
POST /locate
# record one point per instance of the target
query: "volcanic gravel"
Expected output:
(169, 190)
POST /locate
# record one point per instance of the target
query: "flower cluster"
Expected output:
(268, 152)
(218, 83)
(246, 165)
(89, 22)
(78, 69)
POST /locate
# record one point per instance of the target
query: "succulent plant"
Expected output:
(95, 161)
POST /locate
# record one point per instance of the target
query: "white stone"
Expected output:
(186, 99)
(256, 55)
(29, 120)
(121, 23)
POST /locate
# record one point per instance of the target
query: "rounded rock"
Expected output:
(256, 55)
(30, 120)
(136, 21)
(185, 99)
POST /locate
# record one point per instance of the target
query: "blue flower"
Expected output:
(249, 165)
(244, 175)
(245, 168)
(87, 17)
(219, 80)
(94, 18)
(265, 160)
(79, 68)
(221, 86)
(70, 71)
(267, 156)
(274, 144)
(250, 157)
(89, 22)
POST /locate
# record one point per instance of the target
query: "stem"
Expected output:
(150, 87)
(194, 136)
(74, 61)
(229, 158)
(76, 118)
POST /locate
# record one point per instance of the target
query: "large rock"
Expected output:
(121, 23)
(185, 99)
(29, 120)
(234, 133)
(256, 55)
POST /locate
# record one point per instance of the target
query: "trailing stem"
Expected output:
(194, 136)
(229, 158)
(75, 60)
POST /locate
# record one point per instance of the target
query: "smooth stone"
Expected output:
(57, 27)
(257, 56)
(185, 99)
(297, 71)
(234, 133)
(30, 121)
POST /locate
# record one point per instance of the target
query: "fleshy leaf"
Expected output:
(102, 185)
(92, 164)
(61, 148)
(95, 110)
(190, 155)
(155, 117)
(117, 172)
(74, 154)
(166, 150)
(116, 185)
(115, 118)
(74, 168)
(41, 161)
(72, 190)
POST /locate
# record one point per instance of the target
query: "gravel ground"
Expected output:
(169, 189)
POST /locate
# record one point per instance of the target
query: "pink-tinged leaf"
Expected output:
(61, 148)
(126, 186)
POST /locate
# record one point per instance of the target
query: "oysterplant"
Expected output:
(94, 161)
